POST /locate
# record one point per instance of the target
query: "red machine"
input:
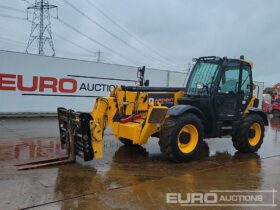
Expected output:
(266, 106)
(276, 109)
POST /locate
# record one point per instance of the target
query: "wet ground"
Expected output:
(129, 177)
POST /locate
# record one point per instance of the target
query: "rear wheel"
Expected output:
(249, 136)
(276, 113)
(125, 141)
(181, 137)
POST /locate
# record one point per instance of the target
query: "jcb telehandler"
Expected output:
(217, 101)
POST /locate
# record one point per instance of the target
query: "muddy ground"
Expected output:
(130, 177)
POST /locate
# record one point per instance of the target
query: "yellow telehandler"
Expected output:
(217, 101)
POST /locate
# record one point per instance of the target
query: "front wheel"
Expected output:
(249, 136)
(125, 141)
(181, 137)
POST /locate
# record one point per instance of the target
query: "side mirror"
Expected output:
(147, 83)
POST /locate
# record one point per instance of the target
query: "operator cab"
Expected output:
(221, 88)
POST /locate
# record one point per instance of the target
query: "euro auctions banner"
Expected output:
(32, 83)
(68, 86)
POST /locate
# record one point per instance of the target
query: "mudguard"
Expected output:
(254, 110)
(181, 109)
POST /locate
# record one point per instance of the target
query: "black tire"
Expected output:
(241, 139)
(126, 142)
(276, 113)
(169, 137)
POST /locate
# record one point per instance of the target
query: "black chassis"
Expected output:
(205, 106)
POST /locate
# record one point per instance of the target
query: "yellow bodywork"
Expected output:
(122, 104)
(251, 104)
(108, 111)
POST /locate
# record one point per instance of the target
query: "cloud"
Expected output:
(178, 29)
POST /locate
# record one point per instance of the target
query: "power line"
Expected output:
(17, 43)
(12, 17)
(22, 11)
(26, 1)
(73, 43)
(13, 42)
(12, 8)
(76, 30)
(94, 22)
(10, 40)
(95, 41)
(109, 59)
(109, 32)
(19, 18)
(81, 47)
(127, 31)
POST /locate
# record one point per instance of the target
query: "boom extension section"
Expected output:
(134, 114)
(131, 112)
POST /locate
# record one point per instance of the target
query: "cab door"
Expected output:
(227, 98)
(246, 87)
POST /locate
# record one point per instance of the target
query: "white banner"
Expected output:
(39, 84)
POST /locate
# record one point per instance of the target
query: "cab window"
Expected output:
(246, 83)
(229, 81)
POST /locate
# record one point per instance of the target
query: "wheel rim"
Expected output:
(256, 127)
(187, 146)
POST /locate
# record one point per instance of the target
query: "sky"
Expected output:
(164, 34)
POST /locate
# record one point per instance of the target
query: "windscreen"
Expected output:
(202, 78)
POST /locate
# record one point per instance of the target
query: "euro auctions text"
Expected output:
(224, 198)
(13, 82)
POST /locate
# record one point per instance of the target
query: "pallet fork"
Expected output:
(75, 138)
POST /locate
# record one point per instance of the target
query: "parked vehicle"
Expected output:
(217, 101)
